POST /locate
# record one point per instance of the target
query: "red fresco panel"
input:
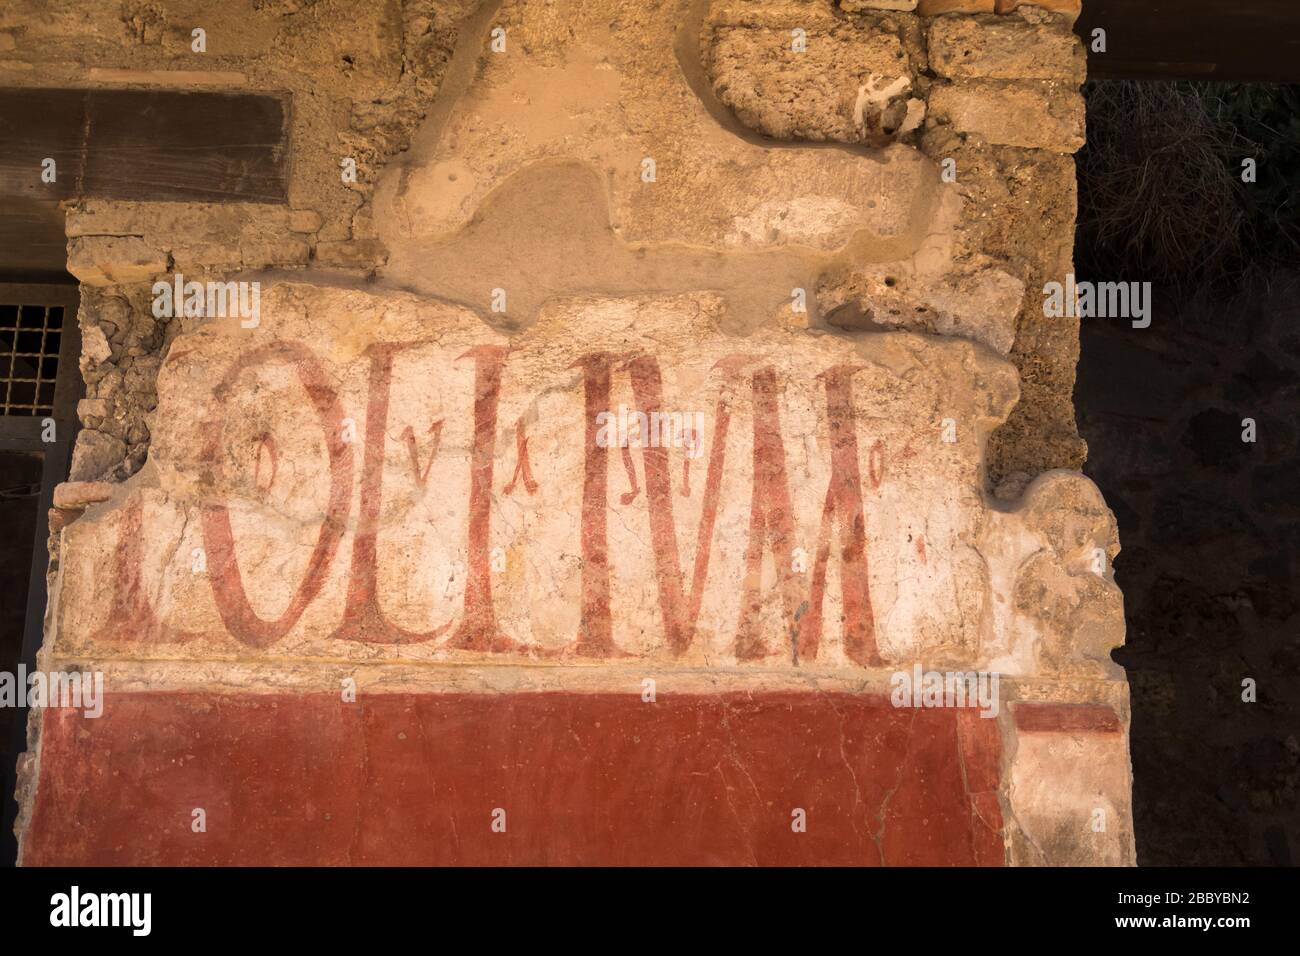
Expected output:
(585, 779)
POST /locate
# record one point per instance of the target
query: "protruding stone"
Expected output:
(95, 455)
(114, 260)
(207, 258)
(89, 408)
(672, 168)
(980, 304)
(95, 345)
(78, 495)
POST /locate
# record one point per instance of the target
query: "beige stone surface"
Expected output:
(171, 79)
(975, 303)
(1071, 8)
(352, 254)
(858, 6)
(197, 238)
(1018, 208)
(1069, 796)
(111, 260)
(80, 494)
(363, 82)
(360, 74)
(851, 82)
(1033, 114)
(1000, 47)
(95, 456)
(614, 99)
(304, 220)
(934, 8)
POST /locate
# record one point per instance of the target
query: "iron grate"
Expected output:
(29, 357)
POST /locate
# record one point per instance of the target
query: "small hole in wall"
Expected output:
(891, 281)
(348, 61)
(921, 308)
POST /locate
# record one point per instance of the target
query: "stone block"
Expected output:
(849, 85)
(1005, 48)
(352, 254)
(866, 6)
(114, 260)
(1071, 8)
(304, 220)
(275, 253)
(95, 456)
(1038, 115)
(934, 8)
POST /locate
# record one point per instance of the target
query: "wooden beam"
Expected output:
(145, 145)
(1235, 40)
(33, 241)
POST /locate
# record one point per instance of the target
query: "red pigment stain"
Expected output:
(1065, 718)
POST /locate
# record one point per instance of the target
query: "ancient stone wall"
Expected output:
(669, 391)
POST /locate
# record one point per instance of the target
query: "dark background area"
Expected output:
(1209, 524)
(20, 481)
(1246, 40)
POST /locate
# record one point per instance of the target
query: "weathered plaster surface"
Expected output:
(344, 437)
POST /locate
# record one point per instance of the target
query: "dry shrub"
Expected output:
(1159, 199)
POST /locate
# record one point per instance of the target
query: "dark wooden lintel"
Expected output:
(144, 145)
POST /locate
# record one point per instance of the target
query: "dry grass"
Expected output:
(1159, 187)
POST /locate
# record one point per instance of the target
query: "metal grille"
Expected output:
(29, 357)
